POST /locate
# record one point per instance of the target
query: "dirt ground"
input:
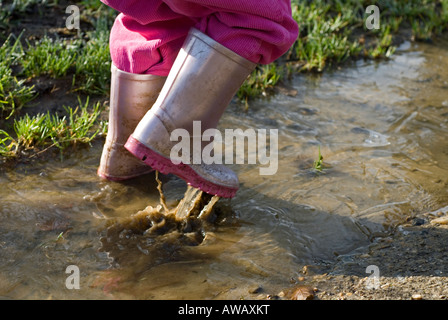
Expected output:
(410, 265)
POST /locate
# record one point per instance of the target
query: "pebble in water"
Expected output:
(441, 220)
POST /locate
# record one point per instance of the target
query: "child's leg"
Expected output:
(258, 30)
(146, 36)
(142, 51)
(233, 36)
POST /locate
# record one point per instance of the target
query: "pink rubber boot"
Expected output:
(204, 78)
(131, 96)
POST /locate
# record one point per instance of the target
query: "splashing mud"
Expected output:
(159, 231)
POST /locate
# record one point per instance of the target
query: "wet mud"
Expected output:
(157, 234)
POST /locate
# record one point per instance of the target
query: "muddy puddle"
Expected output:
(381, 127)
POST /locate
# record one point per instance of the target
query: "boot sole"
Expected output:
(183, 171)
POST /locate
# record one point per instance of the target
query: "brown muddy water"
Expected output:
(382, 128)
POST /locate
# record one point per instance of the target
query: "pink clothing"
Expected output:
(147, 35)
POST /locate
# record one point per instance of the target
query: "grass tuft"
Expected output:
(318, 164)
(14, 93)
(48, 57)
(41, 132)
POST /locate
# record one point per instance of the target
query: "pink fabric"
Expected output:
(147, 35)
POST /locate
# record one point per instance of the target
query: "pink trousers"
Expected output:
(148, 34)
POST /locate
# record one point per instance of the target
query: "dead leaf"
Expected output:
(303, 293)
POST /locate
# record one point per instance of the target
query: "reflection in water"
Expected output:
(382, 130)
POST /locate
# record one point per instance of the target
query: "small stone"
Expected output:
(303, 293)
(256, 290)
(417, 296)
(441, 220)
(418, 222)
(385, 286)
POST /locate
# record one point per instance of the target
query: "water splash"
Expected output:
(159, 232)
(190, 200)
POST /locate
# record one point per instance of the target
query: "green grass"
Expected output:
(318, 164)
(49, 57)
(84, 57)
(41, 132)
(14, 93)
(323, 36)
(92, 67)
(261, 81)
